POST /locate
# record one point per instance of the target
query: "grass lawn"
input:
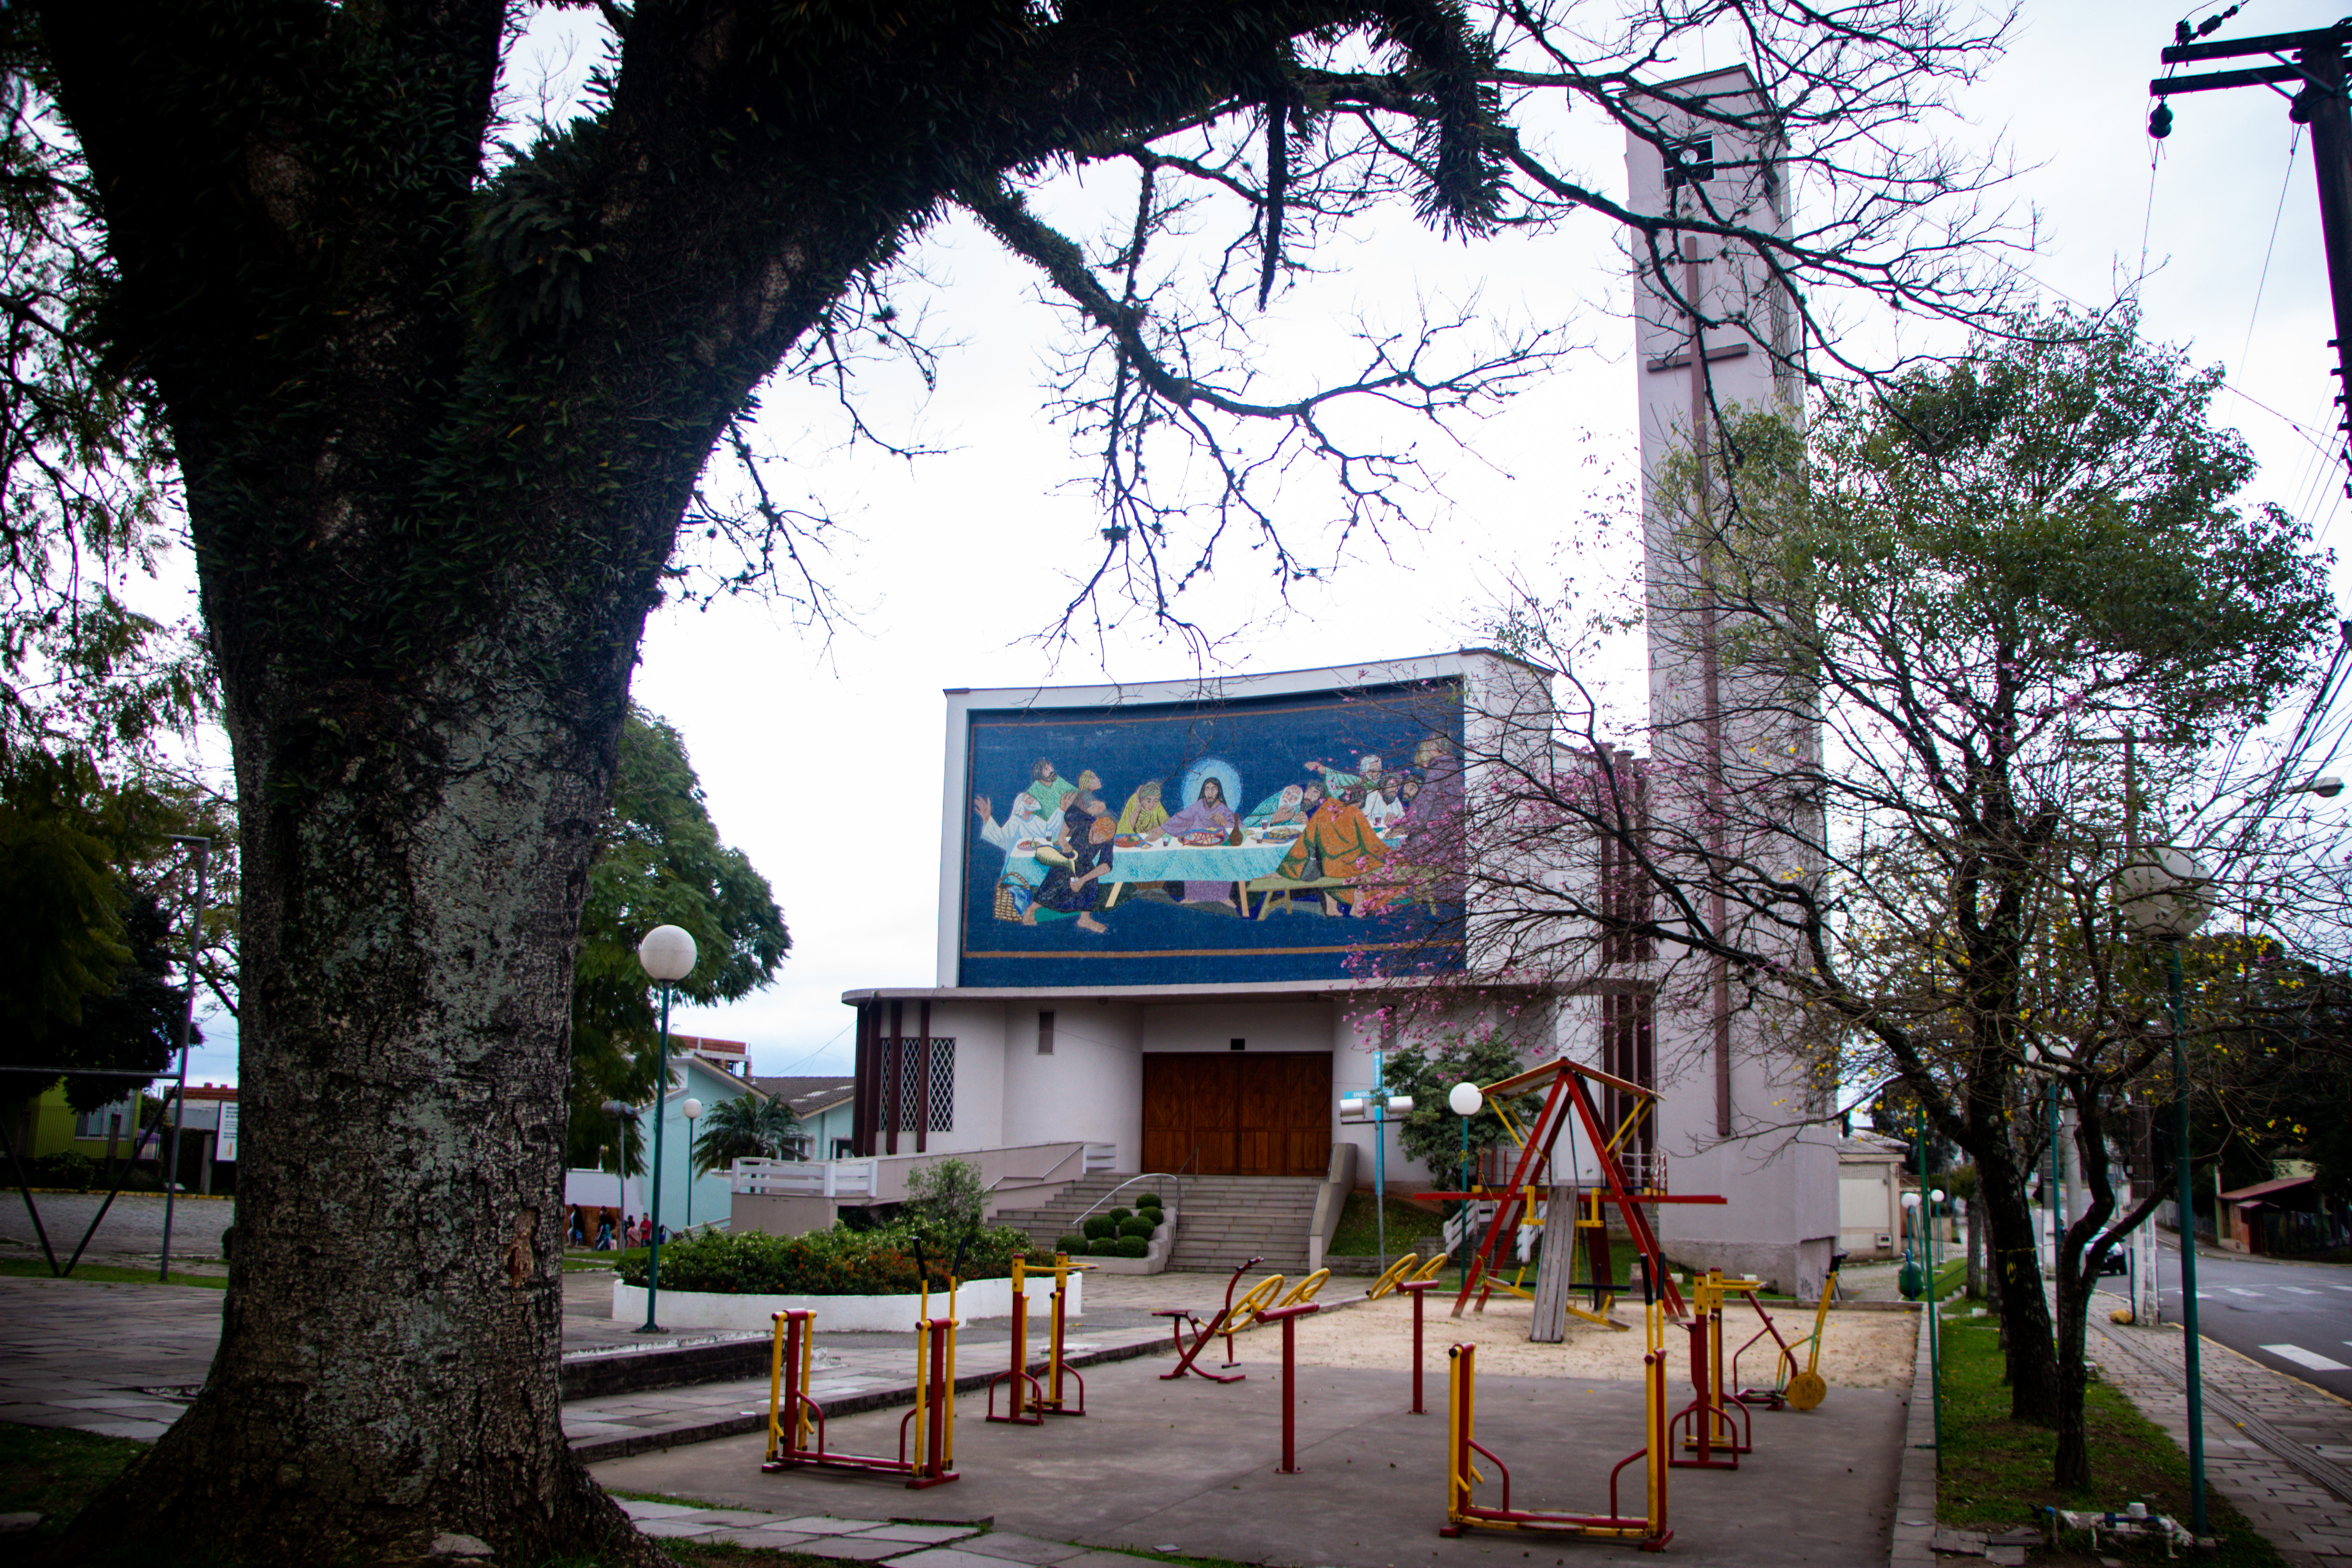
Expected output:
(580, 1259)
(107, 1274)
(1408, 1222)
(1996, 1473)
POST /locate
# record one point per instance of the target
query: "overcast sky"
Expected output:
(823, 758)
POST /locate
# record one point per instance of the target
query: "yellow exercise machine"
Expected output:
(1462, 1511)
(797, 1422)
(1048, 1400)
(1806, 1389)
(1410, 1268)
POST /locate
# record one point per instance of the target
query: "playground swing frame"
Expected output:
(1567, 1103)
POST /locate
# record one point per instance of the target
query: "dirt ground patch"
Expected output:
(1859, 1349)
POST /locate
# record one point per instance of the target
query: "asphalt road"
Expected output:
(2293, 1316)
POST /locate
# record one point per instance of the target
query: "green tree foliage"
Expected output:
(92, 899)
(1936, 609)
(659, 861)
(1428, 1070)
(748, 1127)
(943, 1205)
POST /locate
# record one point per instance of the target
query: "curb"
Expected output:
(591, 1450)
(1913, 1545)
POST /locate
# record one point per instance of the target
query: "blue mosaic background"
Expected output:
(1260, 746)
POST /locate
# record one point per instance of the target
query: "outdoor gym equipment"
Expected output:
(1463, 1451)
(1247, 1316)
(1040, 1402)
(1260, 1297)
(1806, 1389)
(1715, 1419)
(1417, 1289)
(797, 1422)
(1409, 1269)
(1289, 1318)
(1566, 1102)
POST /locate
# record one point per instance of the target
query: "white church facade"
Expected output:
(1166, 913)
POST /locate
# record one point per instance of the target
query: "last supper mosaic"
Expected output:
(1296, 837)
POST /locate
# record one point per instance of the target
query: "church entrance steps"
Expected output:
(1048, 1222)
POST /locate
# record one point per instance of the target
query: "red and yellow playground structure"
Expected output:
(1713, 1429)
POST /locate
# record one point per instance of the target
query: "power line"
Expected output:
(2294, 142)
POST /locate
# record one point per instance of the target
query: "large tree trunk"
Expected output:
(2033, 1362)
(387, 1366)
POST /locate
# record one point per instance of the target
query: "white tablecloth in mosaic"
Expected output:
(1215, 863)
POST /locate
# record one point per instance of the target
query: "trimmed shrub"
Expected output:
(1108, 1246)
(1075, 1245)
(836, 1262)
(1131, 1247)
(1142, 1227)
(1122, 1216)
(1153, 1213)
(1098, 1227)
(1146, 1200)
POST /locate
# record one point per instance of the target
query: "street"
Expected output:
(2294, 1318)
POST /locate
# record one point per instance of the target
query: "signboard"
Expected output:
(1302, 837)
(225, 1142)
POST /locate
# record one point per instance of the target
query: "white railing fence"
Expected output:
(804, 1178)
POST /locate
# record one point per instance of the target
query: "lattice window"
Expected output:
(941, 1100)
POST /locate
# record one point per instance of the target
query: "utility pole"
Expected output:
(2316, 68)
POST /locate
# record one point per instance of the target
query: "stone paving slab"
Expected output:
(2296, 1512)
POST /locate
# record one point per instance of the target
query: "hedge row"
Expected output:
(836, 1262)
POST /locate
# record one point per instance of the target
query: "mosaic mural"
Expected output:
(1204, 842)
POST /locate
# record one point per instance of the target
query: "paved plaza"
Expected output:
(1189, 1467)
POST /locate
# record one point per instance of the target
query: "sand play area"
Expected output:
(1859, 1349)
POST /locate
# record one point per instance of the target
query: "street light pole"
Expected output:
(1466, 1100)
(2167, 897)
(692, 1112)
(667, 956)
(203, 847)
(2187, 1248)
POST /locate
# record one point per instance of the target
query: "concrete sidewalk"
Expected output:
(2279, 1449)
(124, 1360)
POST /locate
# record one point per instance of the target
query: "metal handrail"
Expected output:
(1146, 1177)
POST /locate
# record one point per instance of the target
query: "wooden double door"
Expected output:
(1248, 1113)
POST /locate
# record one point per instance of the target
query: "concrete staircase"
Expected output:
(1220, 1220)
(1059, 1215)
(1226, 1219)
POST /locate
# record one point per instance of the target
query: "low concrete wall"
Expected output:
(885, 1314)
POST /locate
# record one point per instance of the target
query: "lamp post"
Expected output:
(2165, 898)
(1374, 1110)
(621, 1112)
(667, 955)
(1465, 1100)
(692, 1112)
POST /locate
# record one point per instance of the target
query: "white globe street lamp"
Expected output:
(667, 957)
(1465, 1100)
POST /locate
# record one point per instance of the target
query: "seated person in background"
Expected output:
(1209, 818)
(1024, 825)
(1282, 810)
(1338, 844)
(1385, 804)
(1143, 814)
(1082, 850)
(1368, 773)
